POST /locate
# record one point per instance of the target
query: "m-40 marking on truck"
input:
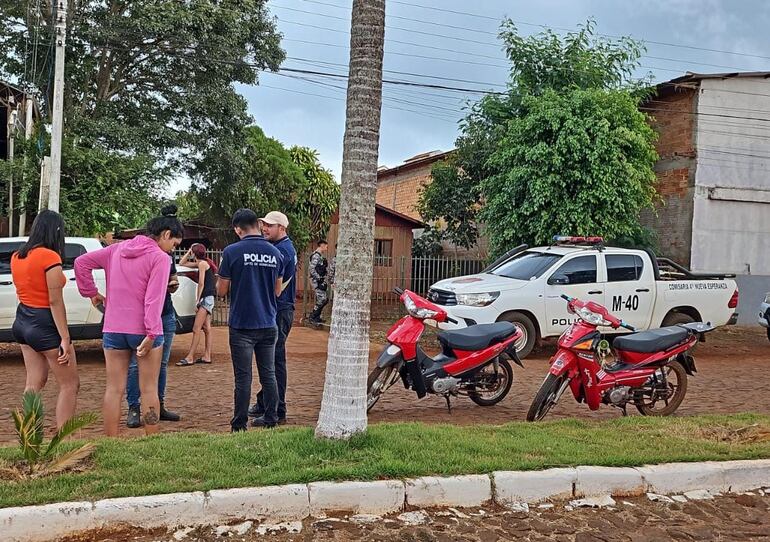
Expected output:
(630, 304)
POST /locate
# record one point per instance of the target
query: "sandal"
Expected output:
(184, 362)
(205, 361)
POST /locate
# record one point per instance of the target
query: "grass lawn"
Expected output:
(198, 461)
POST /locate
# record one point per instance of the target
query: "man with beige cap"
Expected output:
(274, 225)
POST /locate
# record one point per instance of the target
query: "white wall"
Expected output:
(731, 222)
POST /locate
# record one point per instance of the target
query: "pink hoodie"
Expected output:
(137, 279)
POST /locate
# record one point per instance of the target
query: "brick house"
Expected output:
(714, 170)
(714, 176)
(393, 237)
(399, 187)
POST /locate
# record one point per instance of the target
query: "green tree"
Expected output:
(149, 85)
(257, 172)
(578, 162)
(547, 71)
(321, 196)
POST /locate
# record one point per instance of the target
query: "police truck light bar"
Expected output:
(573, 240)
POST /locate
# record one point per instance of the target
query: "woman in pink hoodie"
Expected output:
(137, 277)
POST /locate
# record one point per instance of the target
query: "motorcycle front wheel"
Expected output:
(380, 379)
(667, 386)
(546, 397)
(490, 386)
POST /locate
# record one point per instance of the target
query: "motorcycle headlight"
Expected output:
(418, 312)
(591, 317)
(477, 300)
(767, 298)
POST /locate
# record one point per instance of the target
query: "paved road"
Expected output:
(732, 372)
(728, 518)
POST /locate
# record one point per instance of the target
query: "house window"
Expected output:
(383, 252)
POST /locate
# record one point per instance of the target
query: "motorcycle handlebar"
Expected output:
(451, 320)
(566, 297)
(627, 326)
(399, 291)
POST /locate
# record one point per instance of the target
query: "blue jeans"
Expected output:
(132, 387)
(245, 344)
(284, 319)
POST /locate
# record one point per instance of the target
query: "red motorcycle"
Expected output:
(648, 369)
(472, 361)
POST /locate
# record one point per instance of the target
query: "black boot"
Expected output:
(134, 418)
(167, 415)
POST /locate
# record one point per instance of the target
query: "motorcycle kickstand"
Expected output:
(623, 410)
(448, 404)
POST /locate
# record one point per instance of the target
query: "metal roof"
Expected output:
(692, 77)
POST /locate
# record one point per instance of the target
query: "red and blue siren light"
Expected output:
(577, 240)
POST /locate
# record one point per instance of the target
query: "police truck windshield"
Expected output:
(526, 266)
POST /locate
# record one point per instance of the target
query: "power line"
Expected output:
(667, 44)
(337, 98)
(497, 45)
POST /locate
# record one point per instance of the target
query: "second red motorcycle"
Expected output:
(648, 369)
(473, 361)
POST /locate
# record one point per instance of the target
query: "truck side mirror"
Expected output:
(560, 280)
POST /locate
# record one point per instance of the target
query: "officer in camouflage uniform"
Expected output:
(318, 278)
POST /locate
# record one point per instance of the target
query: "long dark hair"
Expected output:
(166, 222)
(47, 231)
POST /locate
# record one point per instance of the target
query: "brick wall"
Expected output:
(675, 171)
(400, 191)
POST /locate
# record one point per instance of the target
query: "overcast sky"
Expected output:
(456, 39)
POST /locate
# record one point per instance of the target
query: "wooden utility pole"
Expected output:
(58, 107)
(28, 111)
(11, 136)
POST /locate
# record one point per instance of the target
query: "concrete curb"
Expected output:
(299, 501)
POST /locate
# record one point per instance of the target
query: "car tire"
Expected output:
(675, 318)
(524, 323)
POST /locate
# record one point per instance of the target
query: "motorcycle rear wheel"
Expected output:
(545, 398)
(503, 385)
(645, 402)
(380, 379)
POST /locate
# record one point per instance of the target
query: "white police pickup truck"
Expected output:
(525, 287)
(84, 320)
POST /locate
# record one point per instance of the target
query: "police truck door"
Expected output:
(630, 288)
(577, 277)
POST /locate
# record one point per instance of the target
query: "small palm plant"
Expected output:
(42, 460)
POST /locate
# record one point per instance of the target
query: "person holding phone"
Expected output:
(41, 317)
(133, 394)
(137, 282)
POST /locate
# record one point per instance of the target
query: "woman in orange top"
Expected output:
(41, 318)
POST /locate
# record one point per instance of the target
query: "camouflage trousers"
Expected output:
(321, 300)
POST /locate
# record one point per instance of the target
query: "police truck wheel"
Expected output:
(523, 323)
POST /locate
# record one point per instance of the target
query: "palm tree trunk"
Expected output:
(343, 407)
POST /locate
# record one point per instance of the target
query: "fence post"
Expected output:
(402, 278)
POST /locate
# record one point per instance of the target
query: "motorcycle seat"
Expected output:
(477, 337)
(654, 340)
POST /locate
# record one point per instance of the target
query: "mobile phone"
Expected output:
(100, 307)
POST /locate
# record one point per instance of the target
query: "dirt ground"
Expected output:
(739, 518)
(732, 377)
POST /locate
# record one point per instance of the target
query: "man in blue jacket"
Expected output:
(274, 226)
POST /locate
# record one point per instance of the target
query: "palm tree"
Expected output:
(343, 407)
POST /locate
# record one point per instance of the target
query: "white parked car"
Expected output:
(764, 314)
(525, 288)
(85, 321)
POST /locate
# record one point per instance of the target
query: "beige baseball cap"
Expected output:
(276, 217)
